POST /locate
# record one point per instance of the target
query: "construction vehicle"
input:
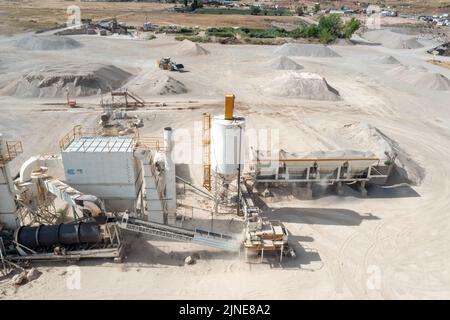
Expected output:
(167, 64)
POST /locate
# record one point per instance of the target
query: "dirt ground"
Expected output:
(32, 15)
(19, 16)
(393, 244)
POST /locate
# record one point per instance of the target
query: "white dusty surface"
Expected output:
(393, 244)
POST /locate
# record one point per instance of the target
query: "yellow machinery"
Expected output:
(167, 64)
(206, 143)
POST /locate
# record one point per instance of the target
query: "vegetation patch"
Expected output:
(253, 10)
(329, 29)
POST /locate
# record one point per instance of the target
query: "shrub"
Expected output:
(332, 24)
(299, 11)
(221, 32)
(194, 38)
(325, 36)
(255, 10)
(312, 31)
(350, 27)
(316, 7)
(309, 31)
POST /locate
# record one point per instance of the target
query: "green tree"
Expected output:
(332, 24)
(185, 3)
(350, 27)
(196, 4)
(316, 7)
(255, 10)
(299, 10)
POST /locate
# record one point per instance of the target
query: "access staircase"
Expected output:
(126, 99)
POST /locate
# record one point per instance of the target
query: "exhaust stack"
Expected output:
(229, 106)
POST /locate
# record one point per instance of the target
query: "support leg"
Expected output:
(340, 188)
(308, 191)
(362, 189)
(266, 192)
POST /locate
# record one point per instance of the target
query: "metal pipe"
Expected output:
(169, 174)
(239, 174)
(195, 188)
(229, 106)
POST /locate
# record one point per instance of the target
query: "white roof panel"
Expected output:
(101, 144)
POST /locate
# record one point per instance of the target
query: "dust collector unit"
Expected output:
(227, 142)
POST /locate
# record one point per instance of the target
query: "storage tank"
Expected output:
(227, 142)
(7, 203)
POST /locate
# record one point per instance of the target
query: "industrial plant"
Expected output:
(116, 180)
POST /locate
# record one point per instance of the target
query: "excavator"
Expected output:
(167, 64)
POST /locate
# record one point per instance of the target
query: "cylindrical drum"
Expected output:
(69, 233)
(47, 235)
(89, 232)
(60, 234)
(28, 236)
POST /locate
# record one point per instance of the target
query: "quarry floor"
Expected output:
(393, 244)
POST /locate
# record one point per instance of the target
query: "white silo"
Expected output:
(227, 142)
(7, 203)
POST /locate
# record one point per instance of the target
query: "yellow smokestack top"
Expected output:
(229, 106)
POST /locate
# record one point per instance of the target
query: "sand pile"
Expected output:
(305, 50)
(368, 137)
(189, 48)
(343, 42)
(387, 60)
(160, 84)
(393, 40)
(47, 43)
(284, 63)
(303, 85)
(79, 79)
(420, 77)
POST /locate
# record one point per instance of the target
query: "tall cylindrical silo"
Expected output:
(227, 142)
(7, 204)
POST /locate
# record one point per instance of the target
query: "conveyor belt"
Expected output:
(198, 236)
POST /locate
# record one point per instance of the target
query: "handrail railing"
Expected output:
(146, 142)
(152, 143)
(13, 149)
(78, 131)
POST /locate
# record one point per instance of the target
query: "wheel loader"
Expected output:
(167, 64)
